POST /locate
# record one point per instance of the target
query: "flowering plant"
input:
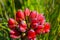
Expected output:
(28, 24)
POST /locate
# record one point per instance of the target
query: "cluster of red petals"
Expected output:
(29, 22)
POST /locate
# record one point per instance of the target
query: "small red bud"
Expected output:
(47, 27)
(14, 34)
(31, 34)
(23, 26)
(41, 18)
(27, 12)
(11, 23)
(39, 29)
(33, 14)
(34, 25)
(20, 15)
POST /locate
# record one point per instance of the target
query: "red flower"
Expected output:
(11, 23)
(20, 15)
(14, 34)
(28, 24)
(34, 25)
(41, 18)
(23, 26)
(47, 27)
(39, 29)
(27, 12)
(33, 14)
(31, 34)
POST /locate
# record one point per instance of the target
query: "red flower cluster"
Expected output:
(29, 22)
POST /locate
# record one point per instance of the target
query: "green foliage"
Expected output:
(50, 8)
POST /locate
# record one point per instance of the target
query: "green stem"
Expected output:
(27, 21)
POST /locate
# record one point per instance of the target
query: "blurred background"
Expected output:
(50, 8)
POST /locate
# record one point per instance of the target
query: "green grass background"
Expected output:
(50, 8)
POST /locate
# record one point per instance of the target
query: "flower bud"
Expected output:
(47, 27)
(20, 15)
(33, 14)
(39, 29)
(11, 23)
(26, 12)
(34, 25)
(41, 18)
(23, 26)
(31, 34)
(14, 34)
